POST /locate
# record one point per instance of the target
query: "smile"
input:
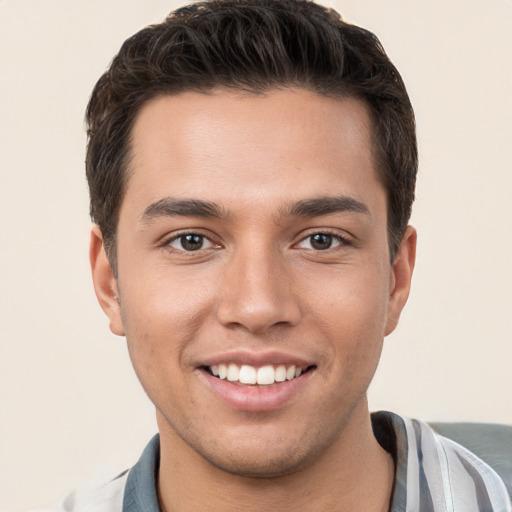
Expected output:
(247, 374)
(256, 388)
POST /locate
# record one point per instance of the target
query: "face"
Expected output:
(254, 284)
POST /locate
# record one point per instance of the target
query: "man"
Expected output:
(251, 167)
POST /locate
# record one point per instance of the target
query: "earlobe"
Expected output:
(105, 284)
(401, 276)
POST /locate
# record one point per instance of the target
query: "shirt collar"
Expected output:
(140, 492)
(390, 431)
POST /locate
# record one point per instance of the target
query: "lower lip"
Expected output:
(255, 398)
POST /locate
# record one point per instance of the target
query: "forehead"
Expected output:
(227, 145)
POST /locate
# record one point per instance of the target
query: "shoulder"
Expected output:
(105, 496)
(132, 490)
(491, 442)
(434, 472)
(456, 473)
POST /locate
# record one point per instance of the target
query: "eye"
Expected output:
(190, 242)
(321, 241)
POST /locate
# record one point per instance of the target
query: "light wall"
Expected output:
(70, 405)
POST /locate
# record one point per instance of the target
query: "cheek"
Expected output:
(351, 313)
(353, 300)
(161, 318)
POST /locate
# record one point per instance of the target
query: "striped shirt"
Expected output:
(433, 474)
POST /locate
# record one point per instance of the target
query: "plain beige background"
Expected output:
(70, 405)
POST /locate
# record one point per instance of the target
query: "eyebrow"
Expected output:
(313, 207)
(318, 206)
(170, 207)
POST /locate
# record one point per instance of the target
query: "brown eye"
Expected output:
(321, 241)
(189, 242)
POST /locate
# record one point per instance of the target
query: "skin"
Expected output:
(256, 285)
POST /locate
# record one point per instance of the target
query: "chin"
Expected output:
(260, 466)
(257, 458)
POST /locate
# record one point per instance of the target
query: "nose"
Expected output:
(258, 292)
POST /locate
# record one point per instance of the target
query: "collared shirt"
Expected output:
(433, 474)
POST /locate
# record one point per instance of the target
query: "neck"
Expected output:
(339, 480)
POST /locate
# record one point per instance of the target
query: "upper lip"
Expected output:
(256, 359)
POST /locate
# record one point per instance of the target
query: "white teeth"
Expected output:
(290, 373)
(247, 374)
(265, 375)
(280, 375)
(223, 371)
(233, 373)
(262, 376)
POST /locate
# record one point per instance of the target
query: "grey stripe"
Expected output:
(426, 503)
(482, 495)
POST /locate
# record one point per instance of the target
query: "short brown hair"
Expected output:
(252, 45)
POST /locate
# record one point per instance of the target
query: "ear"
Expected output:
(105, 284)
(401, 276)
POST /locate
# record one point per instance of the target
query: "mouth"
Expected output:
(247, 375)
(252, 382)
